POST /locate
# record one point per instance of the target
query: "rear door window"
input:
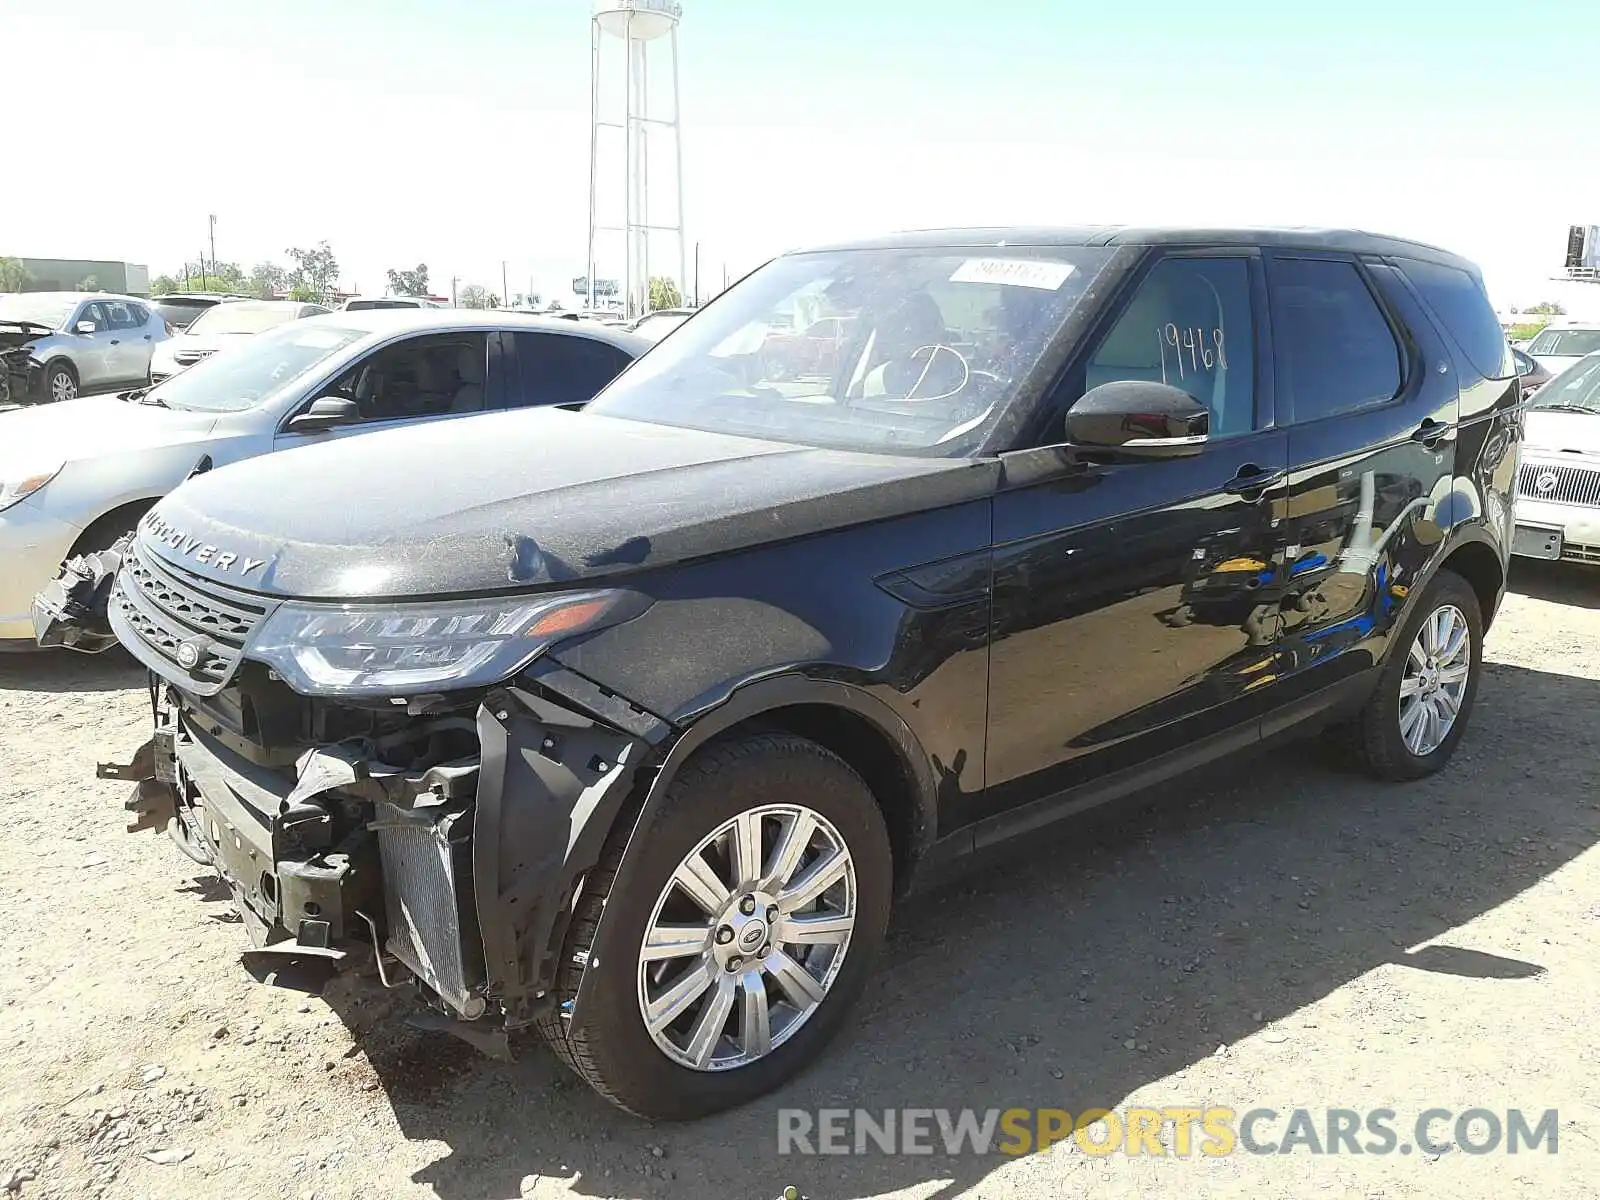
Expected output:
(556, 368)
(1334, 349)
(1461, 306)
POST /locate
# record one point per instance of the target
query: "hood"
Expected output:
(1560, 432)
(93, 426)
(517, 500)
(202, 343)
(20, 333)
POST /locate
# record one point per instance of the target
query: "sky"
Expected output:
(458, 134)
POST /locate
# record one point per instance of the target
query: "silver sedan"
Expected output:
(81, 342)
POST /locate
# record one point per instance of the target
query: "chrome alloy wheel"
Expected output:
(62, 386)
(1435, 680)
(747, 937)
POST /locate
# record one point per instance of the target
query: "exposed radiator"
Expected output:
(427, 893)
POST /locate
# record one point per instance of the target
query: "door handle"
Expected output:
(1252, 478)
(1430, 432)
(116, 342)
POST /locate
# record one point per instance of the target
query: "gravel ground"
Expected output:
(1283, 935)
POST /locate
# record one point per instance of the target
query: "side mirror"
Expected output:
(1135, 418)
(325, 412)
(84, 327)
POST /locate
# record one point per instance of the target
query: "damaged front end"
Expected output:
(21, 374)
(446, 837)
(451, 844)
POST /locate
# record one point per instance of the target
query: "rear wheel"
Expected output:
(60, 382)
(759, 899)
(1418, 713)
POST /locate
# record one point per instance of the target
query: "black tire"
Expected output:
(1378, 743)
(613, 1051)
(56, 369)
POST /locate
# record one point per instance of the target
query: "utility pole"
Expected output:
(696, 303)
(505, 288)
(453, 279)
(213, 220)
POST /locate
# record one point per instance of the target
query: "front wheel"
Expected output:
(1417, 714)
(757, 904)
(60, 383)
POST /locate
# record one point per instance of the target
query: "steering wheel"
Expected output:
(934, 349)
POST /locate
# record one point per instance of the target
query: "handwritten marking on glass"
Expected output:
(1192, 350)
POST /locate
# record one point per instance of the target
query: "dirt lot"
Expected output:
(1289, 935)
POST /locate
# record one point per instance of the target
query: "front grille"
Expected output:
(1559, 484)
(167, 608)
(1577, 552)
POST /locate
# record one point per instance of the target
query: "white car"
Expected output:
(364, 303)
(220, 325)
(1558, 484)
(76, 476)
(1563, 342)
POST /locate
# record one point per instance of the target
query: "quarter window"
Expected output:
(1188, 325)
(1335, 351)
(1459, 302)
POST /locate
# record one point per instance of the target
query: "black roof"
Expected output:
(1352, 241)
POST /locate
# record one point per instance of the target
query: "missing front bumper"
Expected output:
(463, 872)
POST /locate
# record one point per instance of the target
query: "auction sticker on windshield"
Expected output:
(1019, 272)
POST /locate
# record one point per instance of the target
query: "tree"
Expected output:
(199, 275)
(14, 277)
(664, 293)
(475, 295)
(315, 272)
(1547, 308)
(409, 283)
(89, 283)
(267, 280)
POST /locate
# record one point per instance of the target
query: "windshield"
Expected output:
(39, 308)
(1576, 388)
(242, 318)
(360, 305)
(242, 375)
(1565, 341)
(896, 351)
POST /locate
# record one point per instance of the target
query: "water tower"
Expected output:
(634, 93)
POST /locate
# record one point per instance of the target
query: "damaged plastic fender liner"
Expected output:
(551, 785)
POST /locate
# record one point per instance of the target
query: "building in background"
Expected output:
(85, 275)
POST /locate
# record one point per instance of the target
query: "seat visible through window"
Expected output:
(1189, 326)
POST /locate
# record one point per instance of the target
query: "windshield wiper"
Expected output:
(1565, 408)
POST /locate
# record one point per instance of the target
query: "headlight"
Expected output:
(402, 649)
(15, 486)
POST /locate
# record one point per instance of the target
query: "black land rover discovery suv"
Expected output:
(631, 723)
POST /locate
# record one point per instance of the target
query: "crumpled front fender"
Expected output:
(552, 785)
